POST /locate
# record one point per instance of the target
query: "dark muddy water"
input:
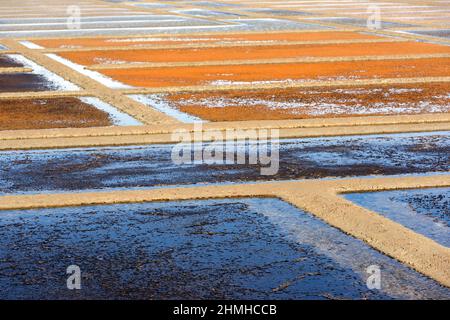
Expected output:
(6, 62)
(426, 211)
(21, 82)
(152, 165)
(236, 249)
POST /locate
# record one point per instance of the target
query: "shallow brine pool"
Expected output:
(214, 249)
(426, 211)
(153, 165)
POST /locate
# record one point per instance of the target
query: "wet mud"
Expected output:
(152, 165)
(216, 249)
(22, 82)
(6, 62)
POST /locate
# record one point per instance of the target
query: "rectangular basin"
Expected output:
(211, 249)
(84, 169)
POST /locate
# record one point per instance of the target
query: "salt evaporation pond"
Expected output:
(212, 249)
(426, 211)
(146, 166)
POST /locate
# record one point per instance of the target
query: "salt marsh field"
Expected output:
(186, 150)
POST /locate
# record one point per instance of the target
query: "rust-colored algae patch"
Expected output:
(50, 113)
(302, 103)
(252, 52)
(279, 73)
(189, 39)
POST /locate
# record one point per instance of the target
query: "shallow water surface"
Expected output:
(151, 165)
(214, 249)
(426, 211)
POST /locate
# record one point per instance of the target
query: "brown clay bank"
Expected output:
(301, 103)
(189, 39)
(50, 113)
(253, 52)
(253, 74)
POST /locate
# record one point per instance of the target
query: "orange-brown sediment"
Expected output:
(252, 52)
(232, 74)
(50, 113)
(301, 103)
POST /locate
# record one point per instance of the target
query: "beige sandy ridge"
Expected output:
(44, 94)
(14, 70)
(318, 197)
(379, 123)
(141, 139)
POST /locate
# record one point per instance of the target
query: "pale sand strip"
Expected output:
(320, 198)
(43, 94)
(141, 139)
(377, 121)
(15, 70)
